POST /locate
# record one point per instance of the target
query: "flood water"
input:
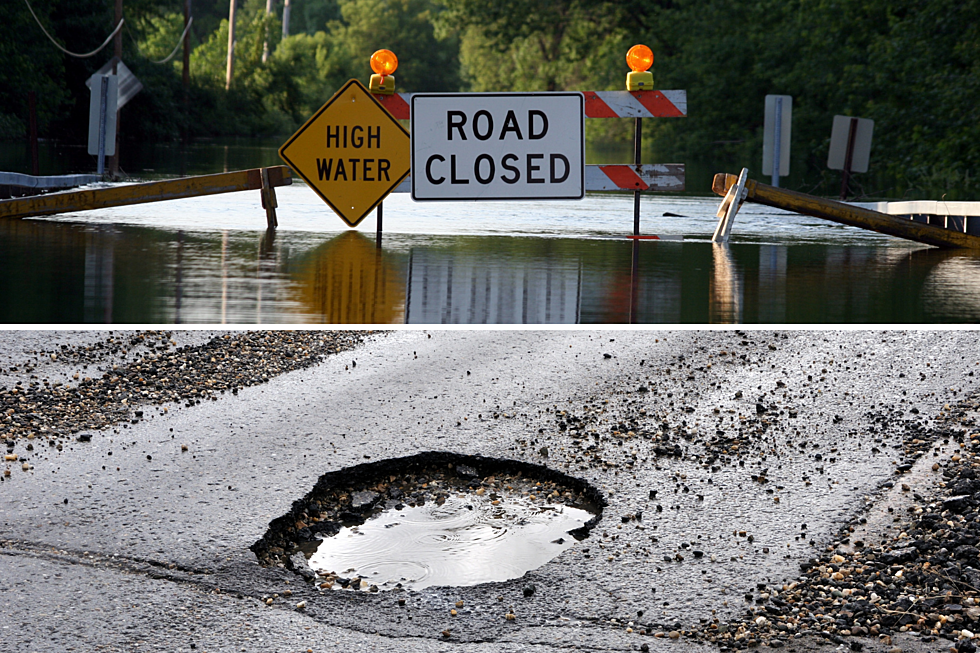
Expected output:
(465, 541)
(209, 260)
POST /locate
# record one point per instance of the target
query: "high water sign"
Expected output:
(498, 146)
(352, 153)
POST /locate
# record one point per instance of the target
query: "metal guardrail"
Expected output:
(265, 179)
(57, 181)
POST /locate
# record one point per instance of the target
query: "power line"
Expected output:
(74, 54)
(176, 47)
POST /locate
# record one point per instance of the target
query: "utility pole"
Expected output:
(231, 45)
(265, 48)
(186, 73)
(117, 52)
(285, 18)
(185, 76)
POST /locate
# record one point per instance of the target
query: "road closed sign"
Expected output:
(498, 146)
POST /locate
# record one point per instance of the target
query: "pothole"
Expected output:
(432, 519)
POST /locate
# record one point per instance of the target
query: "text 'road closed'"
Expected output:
(498, 146)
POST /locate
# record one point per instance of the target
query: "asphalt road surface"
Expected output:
(138, 540)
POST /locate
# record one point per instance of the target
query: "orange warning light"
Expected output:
(384, 62)
(639, 58)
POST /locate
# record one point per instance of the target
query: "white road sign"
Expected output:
(498, 146)
(839, 136)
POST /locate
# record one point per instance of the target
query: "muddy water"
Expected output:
(465, 541)
(76, 273)
(210, 261)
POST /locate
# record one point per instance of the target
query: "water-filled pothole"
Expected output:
(433, 519)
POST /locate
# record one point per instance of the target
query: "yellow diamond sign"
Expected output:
(351, 152)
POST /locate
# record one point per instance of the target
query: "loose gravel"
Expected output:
(153, 371)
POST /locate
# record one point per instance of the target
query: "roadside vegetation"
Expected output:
(913, 66)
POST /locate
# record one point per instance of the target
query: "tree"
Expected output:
(427, 61)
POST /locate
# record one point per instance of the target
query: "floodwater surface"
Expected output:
(467, 540)
(210, 260)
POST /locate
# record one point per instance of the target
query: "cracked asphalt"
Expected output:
(147, 548)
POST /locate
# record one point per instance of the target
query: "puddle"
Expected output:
(465, 541)
(433, 519)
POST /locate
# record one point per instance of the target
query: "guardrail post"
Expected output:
(269, 203)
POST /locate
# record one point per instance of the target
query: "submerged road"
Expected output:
(751, 448)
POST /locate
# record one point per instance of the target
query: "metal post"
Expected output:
(637, 142)
(103, 99)
(380, 215)
(848, 157)
(777, 141)
(32, 131)
(117, 51)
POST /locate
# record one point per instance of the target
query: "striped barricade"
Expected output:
(598, 104)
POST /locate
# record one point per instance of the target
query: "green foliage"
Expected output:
(427, 61)
(548, 45)
(312, 16)
(913, 66)
(29, 64)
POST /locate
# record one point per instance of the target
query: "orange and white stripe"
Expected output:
(598, 104)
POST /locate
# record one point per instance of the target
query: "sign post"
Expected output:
(776, 136)
(102, 119)
(498, 146)
(850, 148)
(352, 153)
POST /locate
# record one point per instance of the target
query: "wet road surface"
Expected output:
(151, 552)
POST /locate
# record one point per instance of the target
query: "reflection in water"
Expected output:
(726, 287)
(772, 284)
(347, 280)
(467, 540)
(469, 287)
(952, 282)
(99, 248)
(179, 287)
(54, 272)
